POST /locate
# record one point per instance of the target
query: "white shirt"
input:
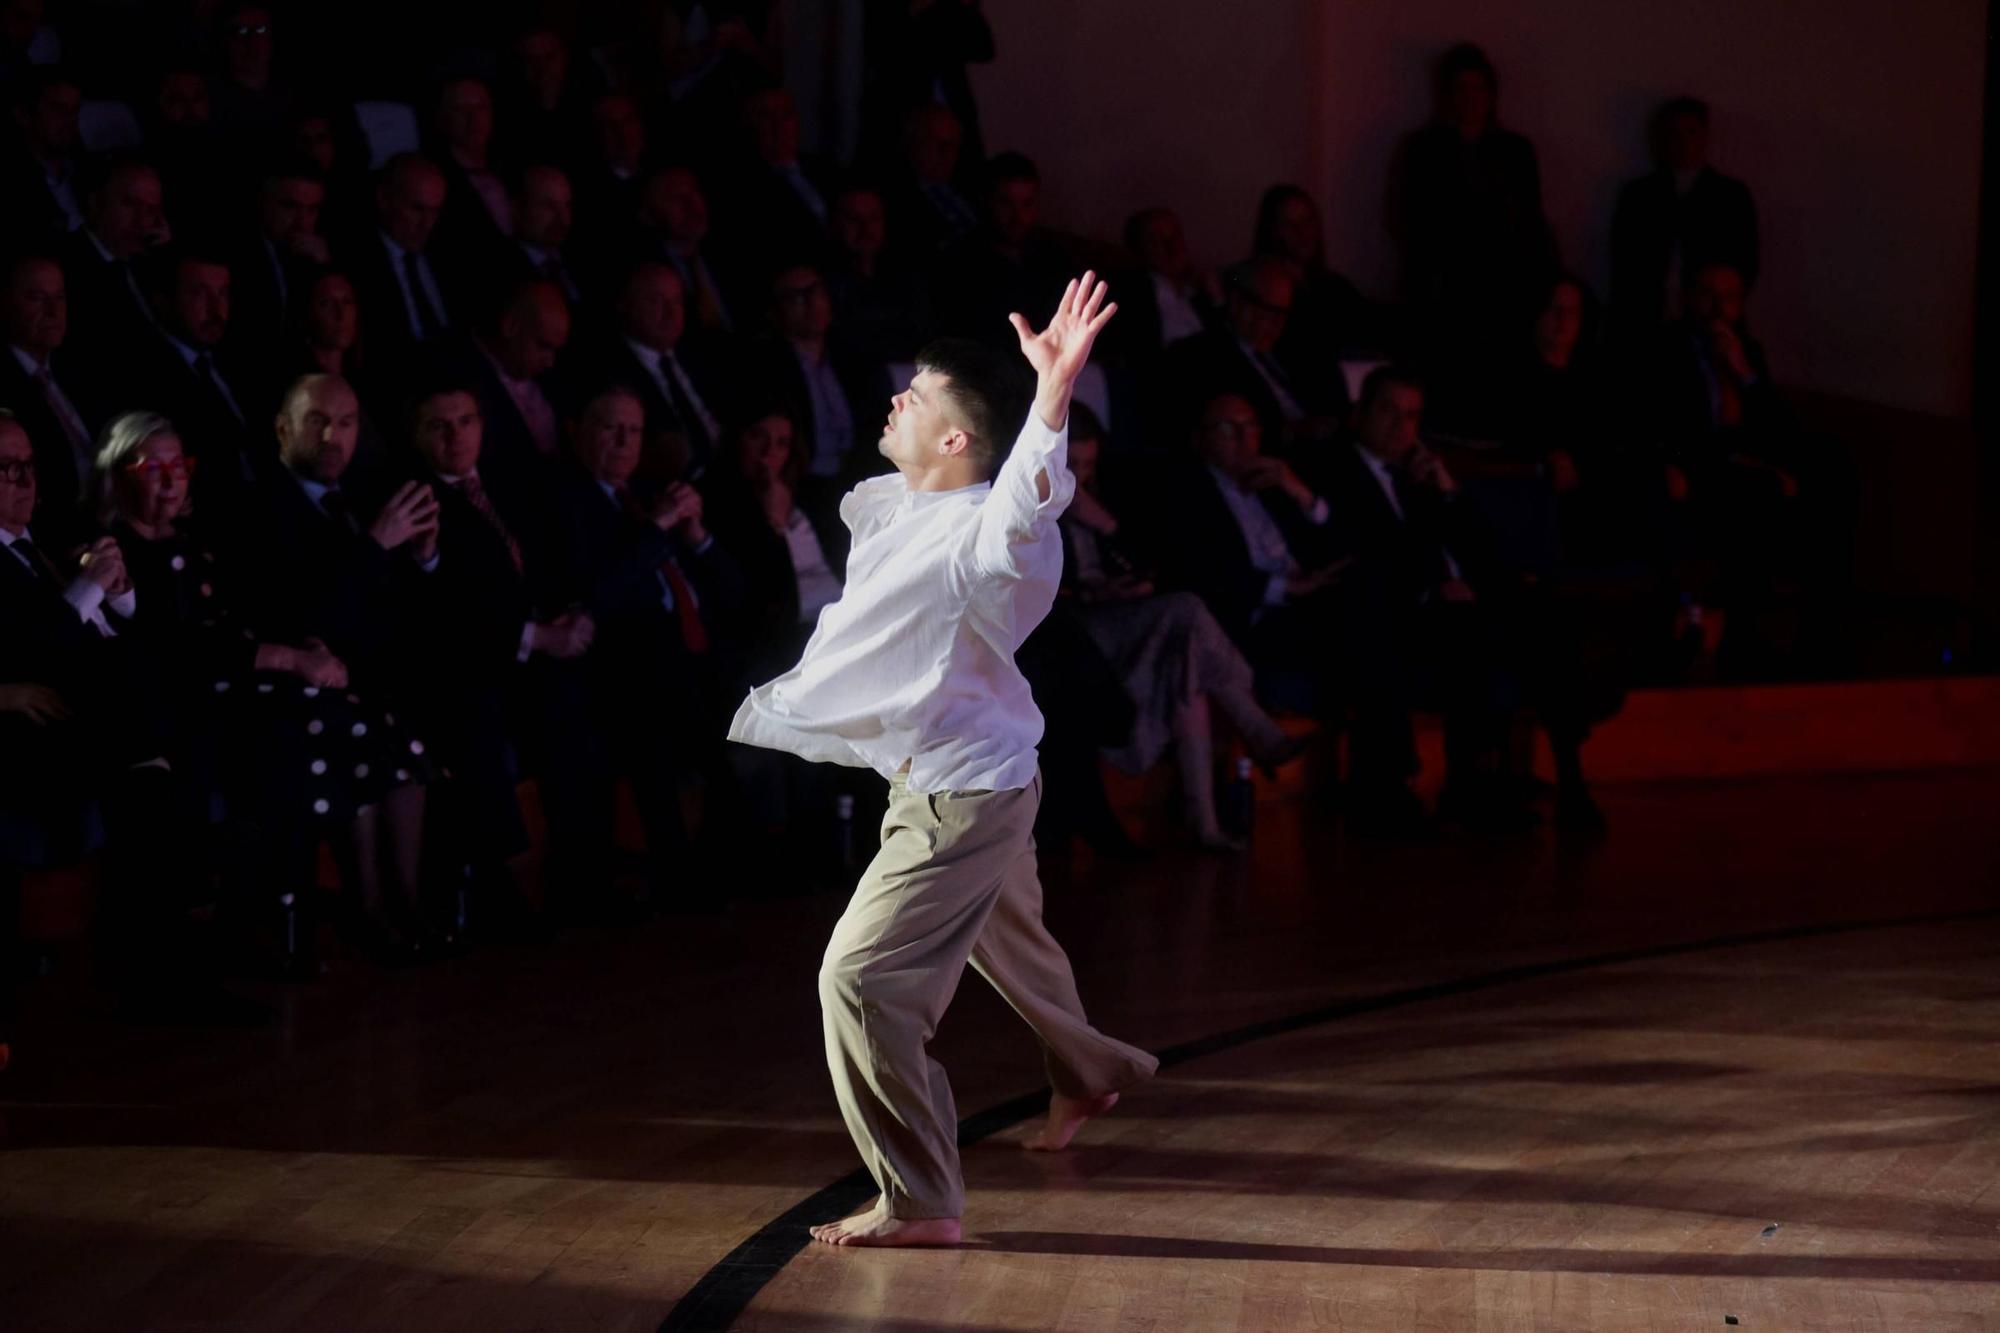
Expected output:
(818, 585)
(1270, 553)
(1178, 317)
(915, 662)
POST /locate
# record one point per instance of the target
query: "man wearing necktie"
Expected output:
(192, 378)
(1428, 621)
(542, 219)
(490, 669)
(404, 303)
(43, 383)
(661, 593)
(652, 328)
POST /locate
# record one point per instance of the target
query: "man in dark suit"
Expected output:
(124, 219)
(505, 364)
(1010, 265)
(1242, 530)
(542, 219)
(1167, 297)
(834, 394)
(324, 564)
(477, 221)
(1676, 220)
(48, 390)
(45, 197)
(930, 207)
(657, 587)
(774, 206)
(486, 671)
(684, 381)
(270, 270)
(1424, 614)
(672, 229)
(1298, 408)
(402, 283)
(188, 374)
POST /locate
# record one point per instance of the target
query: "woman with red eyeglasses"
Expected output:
(270, 728)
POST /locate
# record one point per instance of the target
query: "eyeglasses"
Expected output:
(800, 295)
(250, 30)
(159, 467)
(16, 471)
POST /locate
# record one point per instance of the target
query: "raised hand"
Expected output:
(1059, 352)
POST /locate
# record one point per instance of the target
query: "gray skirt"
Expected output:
(1165, 650)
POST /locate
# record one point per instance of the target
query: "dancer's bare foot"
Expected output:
(876, 1229)
(1066, 1117)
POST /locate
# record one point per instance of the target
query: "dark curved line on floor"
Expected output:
(726, 1290)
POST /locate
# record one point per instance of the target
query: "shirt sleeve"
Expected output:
(85, 596)
(1015, 514)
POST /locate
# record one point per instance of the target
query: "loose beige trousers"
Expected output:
(955, 879)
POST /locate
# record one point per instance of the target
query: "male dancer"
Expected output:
(912, 673)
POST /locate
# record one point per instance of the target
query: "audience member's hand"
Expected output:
(38, 703)
(409, 512)
(1563, 475)
(776, 497)
(1312, 581)
(1426, 469)
(1088, 510)
(313, 246)
(1275, 474)
(1677, 483)
(104, 564)
(315, 664)
(1457, 592)
(679, 508)
(1728, 345)
(568, 635)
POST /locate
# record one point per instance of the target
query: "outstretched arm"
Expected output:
(1034, 484)
(1059, 352)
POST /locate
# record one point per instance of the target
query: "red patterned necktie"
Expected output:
(475, 495)
(694, 635)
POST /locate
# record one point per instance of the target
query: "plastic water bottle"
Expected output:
(1239, 801)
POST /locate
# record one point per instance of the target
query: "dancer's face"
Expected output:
(921, 432)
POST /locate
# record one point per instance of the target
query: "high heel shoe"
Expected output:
(1284, 752)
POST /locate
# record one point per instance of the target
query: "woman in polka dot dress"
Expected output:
(271, 729)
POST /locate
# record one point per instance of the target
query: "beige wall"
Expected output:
(1856, 122)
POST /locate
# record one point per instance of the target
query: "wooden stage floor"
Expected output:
(1479, 1085)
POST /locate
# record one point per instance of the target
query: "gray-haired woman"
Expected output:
(270, 728)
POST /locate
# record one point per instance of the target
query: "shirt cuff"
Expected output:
(702, 549)
(85, 597)
(124, 604)
(1319, 512)
(527, 646)
(1274, 591)
(430, 566)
